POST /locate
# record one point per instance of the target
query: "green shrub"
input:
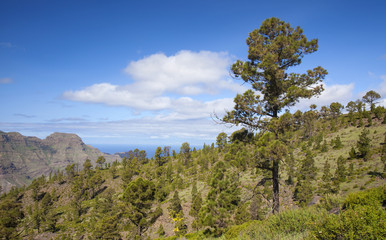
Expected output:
(363, 222)
(331, 201)
(363, 217)
(372, 197)
(294, 221)
(289, 224)
(234, 231)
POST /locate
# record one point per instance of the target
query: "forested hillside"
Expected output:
(334, 162)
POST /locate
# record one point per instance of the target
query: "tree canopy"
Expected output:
(272, 50)
(370, 97)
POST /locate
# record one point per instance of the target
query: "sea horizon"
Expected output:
(110, 148)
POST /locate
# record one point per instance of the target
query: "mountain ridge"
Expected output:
(22, 158)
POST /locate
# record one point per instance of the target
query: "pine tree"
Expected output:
(242, 215)
(194, 189)
(325, 186)
(11, 215)
(221, 141)
(351, 108)
(100, 161)
(351, 169)
(175, 205)
(140, 195)
(162, 189)
(352, 153)
(340, 173)
(185, 152)
(177, 215)
(195, 210)
(169, 172)
(107, 228)
(324, 147)
(273, 49)
(290, 160)
(87, 166)
(369, 120)
(303, 192)
(158, 155)
(360, 124)
(304, 189)
(222, 199)
(363, 145)
(37, 217)
(370, 97)
(256, 210)
(318, 141)
(308, 167)
(337, 143)
(196, 205)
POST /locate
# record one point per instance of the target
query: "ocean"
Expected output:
(150, 149)
(116, 148)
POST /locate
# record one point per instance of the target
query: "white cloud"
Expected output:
(187, 108)
(382, 102)
(382, 91)
(5, 80)
(382, 87)
(341, 93)
(186, 73)
(169, 83)
(115, 95)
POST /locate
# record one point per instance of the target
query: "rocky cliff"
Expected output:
(24, 158)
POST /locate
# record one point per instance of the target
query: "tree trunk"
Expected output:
(275, 186)
(275, 178)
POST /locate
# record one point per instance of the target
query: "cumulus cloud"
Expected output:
(5, 80)
(382, 91)
(114, 95)
(187, 108)
(382, 86)
(341, 93)
(169, 83)
(186, 73)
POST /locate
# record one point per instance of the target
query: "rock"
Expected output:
(24, 158)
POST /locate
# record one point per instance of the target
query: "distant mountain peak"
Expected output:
(24, 158)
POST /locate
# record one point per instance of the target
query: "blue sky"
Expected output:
(152, 72)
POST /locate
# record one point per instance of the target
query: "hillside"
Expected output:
(218, 191)
(25, 158)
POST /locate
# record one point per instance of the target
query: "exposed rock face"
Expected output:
(24, 158)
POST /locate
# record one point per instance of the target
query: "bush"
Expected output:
(372, 197)
(234, 231)
(331, 201)
(289, 224)
(365, 222)
(294, 221)
(363, 217)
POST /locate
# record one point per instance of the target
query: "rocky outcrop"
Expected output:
(24, 158)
